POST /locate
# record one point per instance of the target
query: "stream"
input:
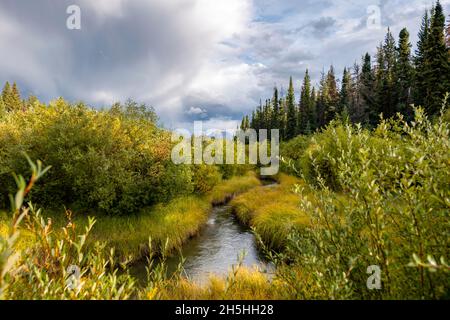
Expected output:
(215, 249)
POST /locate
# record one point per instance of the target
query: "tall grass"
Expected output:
(240, 284)
(234, 186)
(274, 210)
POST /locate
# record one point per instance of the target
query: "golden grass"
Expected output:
(229, 188)
(174, 222)
(241, 284)
(26, 238)
(273, 210)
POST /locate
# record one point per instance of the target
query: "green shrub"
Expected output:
(292, 151)
(205, 177)
(115, 162)
(393, 213)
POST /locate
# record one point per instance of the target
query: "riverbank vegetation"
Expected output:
(166, 225)
(361, 199)
(357, 192)
(272, 210)
(386, 205)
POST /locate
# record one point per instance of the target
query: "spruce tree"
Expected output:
(267, 114)
(404, 74)
(291, 125)
(367, 88)
(312, 117)
(346, 92)
(258, 122)
(305, 105)
(419, 61)
(2, 108)
(331, 96)
(379, 87)
(389, 105)
(357, 108)
(385, 101)
(15, 101)
(437, 67)
(6, 94)
(11, 97)
(282, 104)
(322, 102)
(276, 110)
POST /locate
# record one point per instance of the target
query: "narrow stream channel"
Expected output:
(215, 249)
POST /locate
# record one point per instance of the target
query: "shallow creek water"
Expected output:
(215, 249)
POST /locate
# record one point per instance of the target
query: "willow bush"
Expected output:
(391, 210)
(111, 161)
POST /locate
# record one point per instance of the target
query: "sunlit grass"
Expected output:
(229, 188)
(240, 284)
(272, 210)
(174, 222)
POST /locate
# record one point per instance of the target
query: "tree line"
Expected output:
(390, 84)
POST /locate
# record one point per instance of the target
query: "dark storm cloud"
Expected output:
(191, 59)
(124, 54)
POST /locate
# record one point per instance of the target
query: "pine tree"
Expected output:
(346, 92)
(283, 118)
(291, 125)
(437, 67)
(331, 96)
(419, 61)
(379, 87)
(14, 101)
(276, 110)
(258, 122)
(385, 101)
(11, 97)
(312, 118)
(6, 94)
(305, 105)
(358, 105)
(404, 74)
(367, 89)
(267, 115)
(390, 59)
(2, 108)
(322, 102)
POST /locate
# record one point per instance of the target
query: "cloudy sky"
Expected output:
(190, 59)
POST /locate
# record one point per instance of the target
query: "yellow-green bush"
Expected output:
(114, 162)
(205, 177)
(393, 213)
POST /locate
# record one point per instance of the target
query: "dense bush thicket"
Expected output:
(375, 198)
(114, 161)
